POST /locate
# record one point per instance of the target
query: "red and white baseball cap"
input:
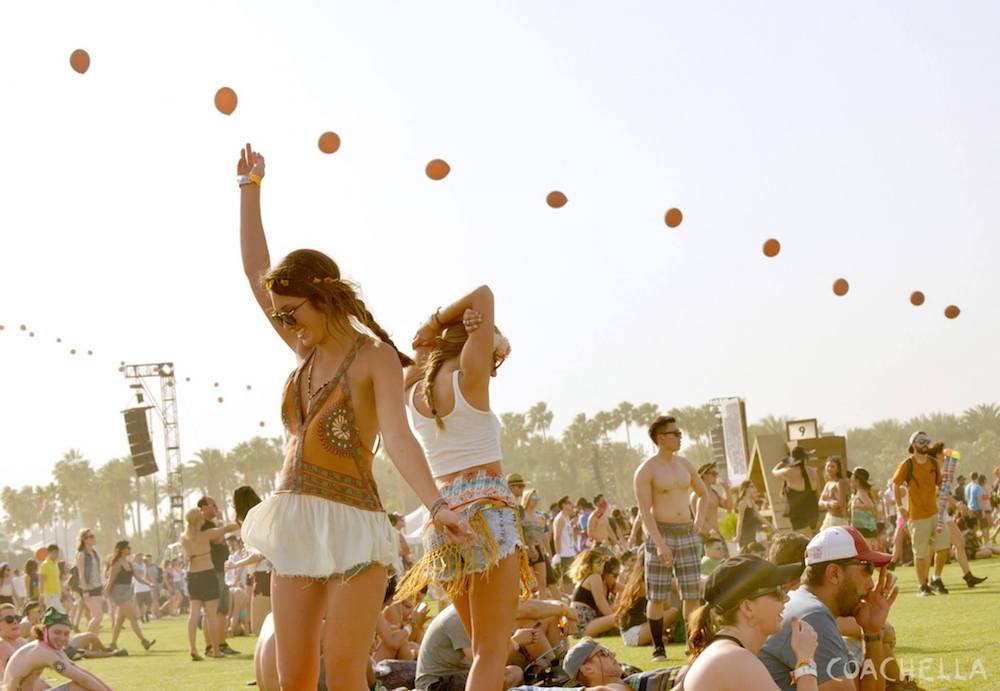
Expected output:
(843, 542)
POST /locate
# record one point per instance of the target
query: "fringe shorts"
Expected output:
(483, 499)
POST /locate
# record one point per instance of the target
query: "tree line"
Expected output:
(593, 454)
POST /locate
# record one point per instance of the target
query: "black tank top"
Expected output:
(748, 527)
(584, 596)
(124, 576)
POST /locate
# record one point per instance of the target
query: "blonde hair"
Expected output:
(587, 563)
(193, 521)
(448, 345)
(526, 496)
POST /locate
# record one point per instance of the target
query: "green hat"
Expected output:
(53, 616)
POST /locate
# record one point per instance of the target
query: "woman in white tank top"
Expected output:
(458, 353)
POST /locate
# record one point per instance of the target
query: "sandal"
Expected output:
(195, 657)
(147, 644)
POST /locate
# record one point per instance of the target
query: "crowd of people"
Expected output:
(339, 598)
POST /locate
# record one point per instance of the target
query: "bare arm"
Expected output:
(253, 243)
(780, 470)
(600, 594)
(220, 532)
(557, 528)
(78, 675)
(699, 489)
(642, 484)
(250, 560)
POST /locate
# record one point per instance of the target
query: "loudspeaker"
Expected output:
(139, 444)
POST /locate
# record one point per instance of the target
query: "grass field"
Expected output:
(945, 634)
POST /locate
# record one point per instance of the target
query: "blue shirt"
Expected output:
(831, 653)
(973, 491)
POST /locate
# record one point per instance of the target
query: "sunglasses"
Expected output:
(867, 565)
(676, 431)
(923, 441)
(497, 361)
(601, 650)
(775, 592)
(10, 619)
(287, 318)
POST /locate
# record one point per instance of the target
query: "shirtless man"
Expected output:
(599, 526)
(803, 483)
(673, 546)
(25, 667)
(712, 501)
(10, 634)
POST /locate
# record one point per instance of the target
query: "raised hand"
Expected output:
(251, 162)
(804, 639)
(872, 612)
(455, 527)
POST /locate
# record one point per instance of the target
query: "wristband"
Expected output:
(255, 179)
(872, 637)
(438, 504)
(436, 318)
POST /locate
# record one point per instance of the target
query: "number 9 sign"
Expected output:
(801, 429)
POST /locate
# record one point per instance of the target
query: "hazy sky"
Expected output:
(862, 135)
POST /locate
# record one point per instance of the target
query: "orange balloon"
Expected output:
(916, 298)
(329, 142)
(41, 553)
(90, 352)
(673, 218)
(438, 169)
(72, 351)
(952, 311)
(248, 387)
(31, 334)
(58, 340)
(1, 327)
(225, 100)
(261, 423)
(220, 399)
(556, 199)
(771, 247)
(187, 379)
(216, 384)
(840, 287)
(23, 327)
(79, 60)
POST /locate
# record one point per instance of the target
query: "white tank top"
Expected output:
(470, 436)
(566, 547)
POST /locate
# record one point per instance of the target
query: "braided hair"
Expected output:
(313, 275)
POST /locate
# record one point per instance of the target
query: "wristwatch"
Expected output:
(804, 669)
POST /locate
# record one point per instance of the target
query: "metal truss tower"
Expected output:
(167, 409)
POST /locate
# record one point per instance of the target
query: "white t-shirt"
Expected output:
(139, 570)
(19, 587)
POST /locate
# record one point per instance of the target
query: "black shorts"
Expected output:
(93, 592)
(203, 585)
(262, 583)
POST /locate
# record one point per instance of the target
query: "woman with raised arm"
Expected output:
(324, 529)
(459, 351)
(202, 583)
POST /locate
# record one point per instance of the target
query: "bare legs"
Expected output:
(299, 607)
(488, 612)
(126, 610)
(95, 604)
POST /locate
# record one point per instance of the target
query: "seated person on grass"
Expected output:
(594, 575)
(446, 654)
(25, 666)
(592, 667)
(630, 608)
(32, 617)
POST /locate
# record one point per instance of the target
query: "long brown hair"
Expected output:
(635, 588)
(703, 624)
(80, 540)
(447, 345)
(120, 547)
(586, 563)
(313, 275)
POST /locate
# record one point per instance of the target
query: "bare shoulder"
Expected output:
(685, 462)
(375, 354)
(644, 470)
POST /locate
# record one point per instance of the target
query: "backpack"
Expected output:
(909, 471)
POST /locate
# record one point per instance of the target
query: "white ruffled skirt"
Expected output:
(303, 535)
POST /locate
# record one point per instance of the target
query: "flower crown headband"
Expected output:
(269, 283)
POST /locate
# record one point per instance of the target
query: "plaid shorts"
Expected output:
(686, 548)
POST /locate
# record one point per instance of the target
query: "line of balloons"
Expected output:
(23, 328)
(438, 169)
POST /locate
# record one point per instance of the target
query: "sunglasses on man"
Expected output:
(10, 619)
(867, 565)
(287, 318)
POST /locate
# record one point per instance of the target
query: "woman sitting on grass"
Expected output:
(595, 578)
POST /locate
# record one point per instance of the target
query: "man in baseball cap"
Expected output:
(837, 582)
(590, 665)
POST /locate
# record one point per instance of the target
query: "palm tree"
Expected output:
(210, 473)
(47, 504)
(515, 429)
(626, 413)
(984, 417)
(540, 418)
(257, 461)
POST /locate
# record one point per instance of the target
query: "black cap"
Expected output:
(738, 578)
(800, 454)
